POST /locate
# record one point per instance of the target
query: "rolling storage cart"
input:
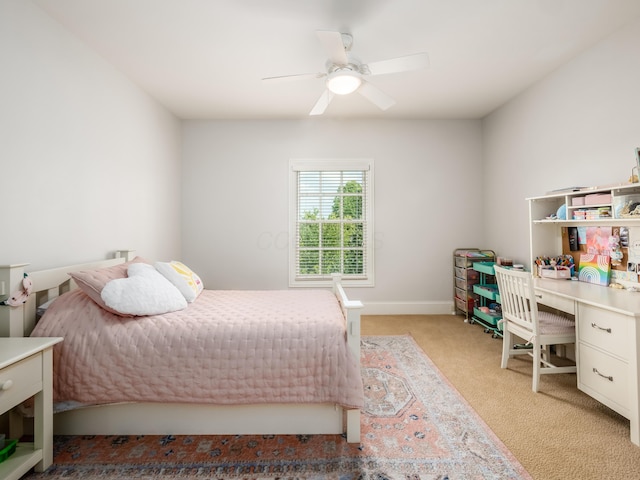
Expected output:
(487, 312)
(465, 277)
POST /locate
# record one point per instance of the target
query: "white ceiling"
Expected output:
(204, 59)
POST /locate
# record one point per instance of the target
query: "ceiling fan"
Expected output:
(346, 74)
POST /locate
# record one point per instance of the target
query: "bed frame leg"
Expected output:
(353, 426)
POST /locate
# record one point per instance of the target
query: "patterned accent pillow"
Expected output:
(185, 279)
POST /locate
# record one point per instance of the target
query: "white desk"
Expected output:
(607, 342)
(26, 370)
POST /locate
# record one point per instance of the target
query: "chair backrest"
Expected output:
(517, 298)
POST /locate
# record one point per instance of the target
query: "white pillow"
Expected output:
(143, 292)
(182, 277)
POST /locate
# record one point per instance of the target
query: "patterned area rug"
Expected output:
(415, 426)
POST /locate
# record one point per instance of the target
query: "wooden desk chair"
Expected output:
(520, 316)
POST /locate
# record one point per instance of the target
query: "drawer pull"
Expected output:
(595, 325)
(6, 385)
(608, 377)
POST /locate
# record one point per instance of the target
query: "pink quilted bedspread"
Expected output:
(228, 347)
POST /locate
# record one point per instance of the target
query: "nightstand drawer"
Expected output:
(605, 330)
(605, 376)
(20, 381)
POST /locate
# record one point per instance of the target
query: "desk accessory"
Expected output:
(595, 269)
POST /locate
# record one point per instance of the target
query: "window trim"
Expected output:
(348, 164)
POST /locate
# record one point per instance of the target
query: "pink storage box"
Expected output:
(577, 201)
(597, 199)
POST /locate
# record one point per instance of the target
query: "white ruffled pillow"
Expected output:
(143, 292)
(182, 277)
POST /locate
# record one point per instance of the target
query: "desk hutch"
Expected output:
(607, 319)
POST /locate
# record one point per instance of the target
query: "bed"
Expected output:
(233, 371)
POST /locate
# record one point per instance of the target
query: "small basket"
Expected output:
(563, 273)
(8, 450)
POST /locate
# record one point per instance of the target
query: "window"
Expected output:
(331, 222)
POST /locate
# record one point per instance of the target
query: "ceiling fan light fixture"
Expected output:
(344, 82)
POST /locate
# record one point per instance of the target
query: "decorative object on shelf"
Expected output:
(624, 237)
(19, 297)
(629, 206)
(595, 269)
(615, 252)
(561, 214)
(636, 169)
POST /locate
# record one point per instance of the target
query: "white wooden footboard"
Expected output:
(351, 310)
(156, 418)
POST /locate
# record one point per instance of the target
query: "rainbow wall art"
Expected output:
(595, 269)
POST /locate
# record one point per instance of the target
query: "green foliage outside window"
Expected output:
(334, 244)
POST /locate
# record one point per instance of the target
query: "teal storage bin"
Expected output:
(489, 291)
(489, 318)
(484, 267)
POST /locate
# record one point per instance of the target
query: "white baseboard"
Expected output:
(408, 308)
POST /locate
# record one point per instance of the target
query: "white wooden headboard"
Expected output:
(47, 285)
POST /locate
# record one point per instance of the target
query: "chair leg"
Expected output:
(506, 347)
(546, 353)
(537, 357)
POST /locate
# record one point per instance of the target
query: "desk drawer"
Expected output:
(555, 301)
(26, 380)
(605, 330)
(605, 376)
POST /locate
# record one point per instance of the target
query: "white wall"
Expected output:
(89, 163)
(578, 127)
(427, 201)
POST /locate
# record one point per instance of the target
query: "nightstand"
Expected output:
(26, 369)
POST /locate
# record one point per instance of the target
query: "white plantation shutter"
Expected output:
(331, 221)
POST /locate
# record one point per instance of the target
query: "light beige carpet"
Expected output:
(558, 433)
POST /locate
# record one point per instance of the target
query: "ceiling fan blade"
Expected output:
(299, 76)
(332, 42)
(376, 96)
(322, 103)
(399, 64)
